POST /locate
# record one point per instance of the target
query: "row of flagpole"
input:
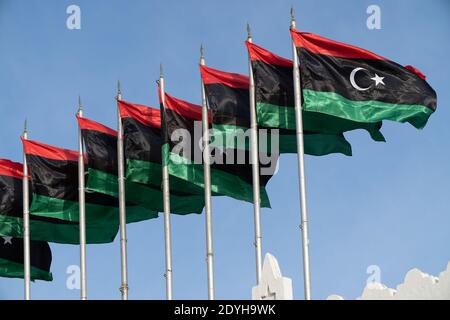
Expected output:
(207, 182)
(26, 223)
(122, 207)
(82, 208)
(166, 191)
(166, 195)
(301, 165)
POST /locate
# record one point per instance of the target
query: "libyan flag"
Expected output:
(184, 154)
(228, 96)
(275, 107)
(54, 190)
(11, 259)
(101, 153)
(355, 84)
(143, 156)
(11, 211)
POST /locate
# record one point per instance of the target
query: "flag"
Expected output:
(54, 187)
(228, 98)
(185, 160)
(11, 211)
(101, 153)
(142, 149)
(11, 259)
(352, 83)
(275, 107)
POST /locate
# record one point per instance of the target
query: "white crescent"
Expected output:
(353, 82)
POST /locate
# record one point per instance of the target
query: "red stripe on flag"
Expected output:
(87, 124)
(260, 54)
(146, 115)
(234, 80)
(184, 108)
(11, 169)
(416, 71)
(50, 152)
(320, 45)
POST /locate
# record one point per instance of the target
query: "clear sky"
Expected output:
(388, 205)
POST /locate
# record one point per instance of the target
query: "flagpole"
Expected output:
(166, 198)
(255, 167)
(207, 182)
(122, 208)
(82, 206)
(26, 222)
(301, 166)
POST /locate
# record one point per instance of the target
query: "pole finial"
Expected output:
(119, 90)
(80, 105)
(292, 13)
(202, 51)
(249, 31)
(161, 73)
(25, 126)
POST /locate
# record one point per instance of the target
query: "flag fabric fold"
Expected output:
(101, 153)
(228, 99)
(11, 259)
(221, 84)
(355, 84)
(143, 142)
(185, 157)
(274, 95)
(11, 211)
(54, 188)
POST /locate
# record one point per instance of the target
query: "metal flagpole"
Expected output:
(122, 208)
(207, 181)
(255, 167)
(82, 206)
(166, 198)
(301, 165)
(26, 221)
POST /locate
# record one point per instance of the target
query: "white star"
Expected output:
(7, 240)
(378, 80)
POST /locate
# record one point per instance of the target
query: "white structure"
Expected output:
(417, 286)
(273, 285)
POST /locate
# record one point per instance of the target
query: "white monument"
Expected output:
(416, 286)
(273, 285)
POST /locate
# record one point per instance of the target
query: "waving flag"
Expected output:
(226, 91)
(54, 186)
(355, 84)
(101, 152)
(274, 94)
(11, 259)
(230, 179)
(142, 144)
(228, 99)
(11, 211)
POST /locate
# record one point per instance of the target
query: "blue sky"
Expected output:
(387, 205)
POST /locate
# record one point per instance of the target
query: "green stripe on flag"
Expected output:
(150, 173)
(103, 182)
(10, 269)
(364, 111)
(55, 232)
(143, 187)
(165, 149)
(106, 183)
(222, 183)
(144, 172)
(273, 116)
(69, 210)
(230, 136)
(316, 144)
